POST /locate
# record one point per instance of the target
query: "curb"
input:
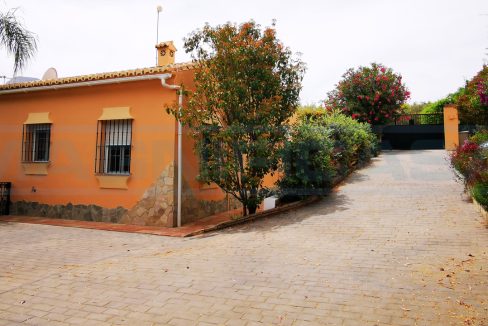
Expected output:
(478, 206)
(253, 217)
(481, 209)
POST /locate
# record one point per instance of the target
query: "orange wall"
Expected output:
(74, 113)
(451, 127)
(191, 169)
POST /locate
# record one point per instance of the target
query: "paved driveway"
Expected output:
(397, 244)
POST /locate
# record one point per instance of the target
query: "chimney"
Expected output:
(166, 53)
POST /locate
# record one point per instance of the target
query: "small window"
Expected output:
(210, 149)
(113, 152)
(205, 152)
(36, 140)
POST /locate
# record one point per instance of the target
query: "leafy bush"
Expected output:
(480, 137)
(310, 113)
(372, 94)
(414, 108)
(438, 106)
(354, 142)
(472, 106)
(480, 193)
(323, 144)
(471, 160)
(307, 161)
(472, 100)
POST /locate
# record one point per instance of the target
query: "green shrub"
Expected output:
(480, 137)
(438, 106)
(471, 103)
(414, 108)
(322, 145)
(480, 193)
(354, 142)
(472, 162)
(307, 161)
(311, 113)
(472, 100)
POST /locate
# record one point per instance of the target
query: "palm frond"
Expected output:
(17, 40)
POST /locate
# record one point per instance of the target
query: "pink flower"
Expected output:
(469, 147)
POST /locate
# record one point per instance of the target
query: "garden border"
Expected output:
(481, 209)
(478, 206)
(250, 218)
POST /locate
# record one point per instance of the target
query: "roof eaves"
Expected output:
(100, 76)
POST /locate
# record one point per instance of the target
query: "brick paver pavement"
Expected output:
(397, 244)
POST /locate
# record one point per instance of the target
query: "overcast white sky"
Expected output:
(434, 44)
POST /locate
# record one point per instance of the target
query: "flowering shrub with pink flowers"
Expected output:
(372, 94)
(473, 100)
(483, 92)
(471, 161)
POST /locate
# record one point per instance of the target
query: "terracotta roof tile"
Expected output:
(104, 75)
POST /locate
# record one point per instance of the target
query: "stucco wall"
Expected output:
(74, 113)
(71, 189)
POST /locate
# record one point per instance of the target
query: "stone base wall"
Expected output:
(69, 211)
(156, 207)
(193, 209)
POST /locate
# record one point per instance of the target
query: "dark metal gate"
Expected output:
(414, 131)
(5, 197)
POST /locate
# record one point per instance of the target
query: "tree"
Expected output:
(414, 108)
(17, 40)
(247, 86)
(369, 94)
(473, 99)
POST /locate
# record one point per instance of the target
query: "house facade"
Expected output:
(102, 147)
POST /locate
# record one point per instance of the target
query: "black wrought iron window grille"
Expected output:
(209, 149)
(36, 142)
(114, 147)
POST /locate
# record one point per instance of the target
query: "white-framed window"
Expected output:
(114, 145)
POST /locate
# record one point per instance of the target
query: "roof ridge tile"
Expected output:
(102, 75)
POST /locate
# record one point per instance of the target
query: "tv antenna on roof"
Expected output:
(158, 9)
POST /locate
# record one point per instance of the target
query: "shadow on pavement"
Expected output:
(334, 202)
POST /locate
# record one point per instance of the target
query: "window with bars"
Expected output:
(113, 151)
(36, 140)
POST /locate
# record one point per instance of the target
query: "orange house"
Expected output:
(101, 147)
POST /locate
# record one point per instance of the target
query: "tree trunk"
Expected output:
(244, 210)
(252, 209)
(253, 201)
